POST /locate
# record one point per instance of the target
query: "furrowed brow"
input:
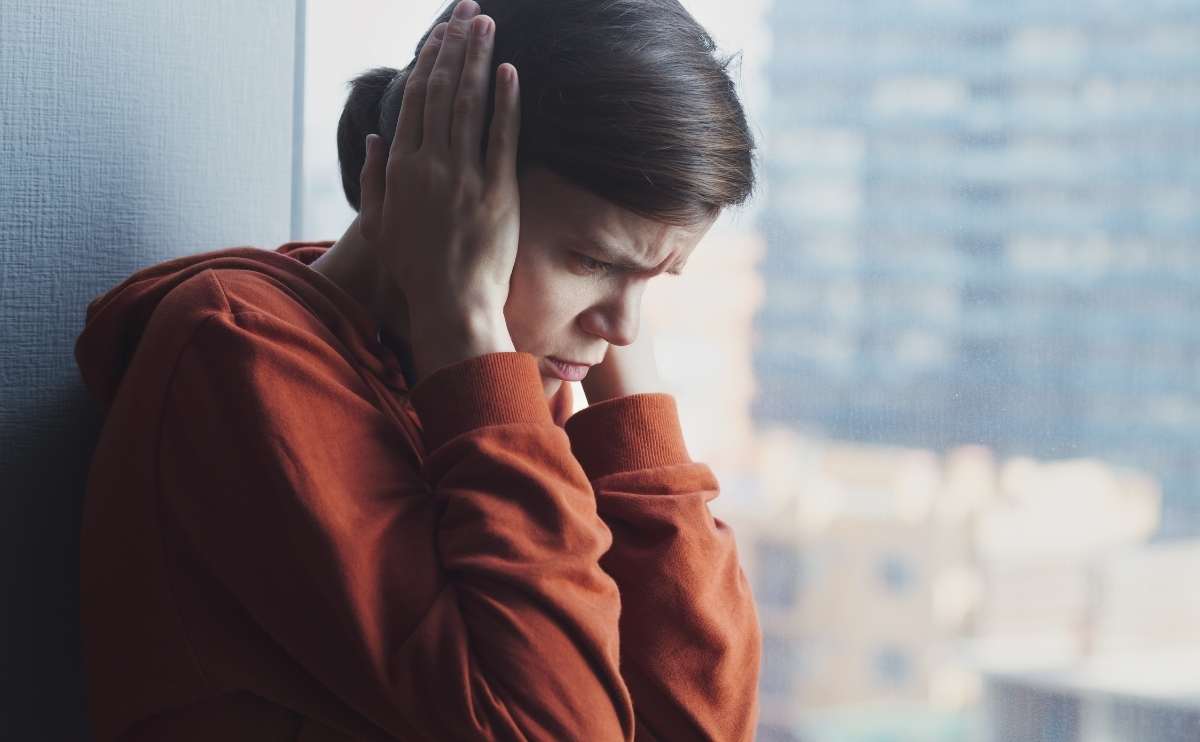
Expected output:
(608, 255)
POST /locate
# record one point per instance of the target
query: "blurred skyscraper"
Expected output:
(983, 226)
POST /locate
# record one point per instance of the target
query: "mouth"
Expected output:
(566, 371)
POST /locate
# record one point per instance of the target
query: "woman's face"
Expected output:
(569, 298)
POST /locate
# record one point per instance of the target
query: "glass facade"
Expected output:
(983, 227)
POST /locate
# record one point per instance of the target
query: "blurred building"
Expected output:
(1044, 549)
(861, 570)
(982, 227)
(1131, 672)
(891, 581)
(1147, 697)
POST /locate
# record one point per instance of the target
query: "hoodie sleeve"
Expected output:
(467, 604)
(690, 640)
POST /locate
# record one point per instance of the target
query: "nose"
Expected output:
(617, 317)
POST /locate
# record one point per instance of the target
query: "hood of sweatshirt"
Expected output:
(115, 320)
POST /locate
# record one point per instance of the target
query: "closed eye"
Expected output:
(594, 265)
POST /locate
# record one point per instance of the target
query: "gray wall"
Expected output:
(131, 132)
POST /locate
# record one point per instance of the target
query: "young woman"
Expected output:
(339, 494)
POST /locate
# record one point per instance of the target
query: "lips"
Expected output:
(567, 371)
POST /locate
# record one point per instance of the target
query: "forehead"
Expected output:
(574, 215)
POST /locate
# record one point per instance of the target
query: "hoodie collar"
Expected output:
(116, 319)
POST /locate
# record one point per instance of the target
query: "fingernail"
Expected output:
(466, 9)
(439, 31)
(483, 26)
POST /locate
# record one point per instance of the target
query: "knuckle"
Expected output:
(420, 178)
(480, 49)
(465, 191)
(457, 30)
(465, 105)
(398, 164)
(415, 95)
(439, 80)
(472, 80)
(438, 173)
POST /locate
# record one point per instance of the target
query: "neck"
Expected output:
(352, 264)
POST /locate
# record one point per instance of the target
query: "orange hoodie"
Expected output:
(282, 541)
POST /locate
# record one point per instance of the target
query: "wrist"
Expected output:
(457, 338)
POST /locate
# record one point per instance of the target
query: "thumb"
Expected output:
(370, 190)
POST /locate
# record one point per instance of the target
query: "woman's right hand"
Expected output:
(444, 221)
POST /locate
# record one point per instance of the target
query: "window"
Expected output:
(956, 331)
(893, 666)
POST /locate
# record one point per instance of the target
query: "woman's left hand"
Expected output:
(629, 369)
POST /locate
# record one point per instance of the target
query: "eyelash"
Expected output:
(595, 265)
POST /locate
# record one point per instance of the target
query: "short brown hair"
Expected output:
(625, 98)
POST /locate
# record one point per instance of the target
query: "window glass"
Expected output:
(945, 364)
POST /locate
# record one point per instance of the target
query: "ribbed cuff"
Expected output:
(637, 431)
(491, 389)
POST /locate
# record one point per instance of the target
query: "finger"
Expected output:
(467, 125)
(443, 79)
(407, 137)
(370, 189)
(505, 128)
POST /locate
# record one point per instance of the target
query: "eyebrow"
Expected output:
(618, 259)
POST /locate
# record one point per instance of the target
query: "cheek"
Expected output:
(541, 301)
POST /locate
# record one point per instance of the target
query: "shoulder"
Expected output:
(245, 294)
(238, 290)
(247, 318)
